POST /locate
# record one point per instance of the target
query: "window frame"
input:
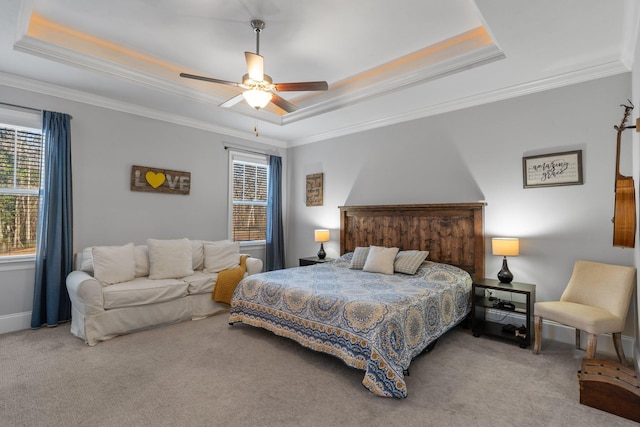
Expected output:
(24, 122)
(252, 158)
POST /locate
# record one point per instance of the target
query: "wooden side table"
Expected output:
(481, 304)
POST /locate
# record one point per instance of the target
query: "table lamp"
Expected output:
(322, 236)
(505, 246)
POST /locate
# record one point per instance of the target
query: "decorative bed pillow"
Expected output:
(380, 260)
(407, 262)
(142, 260)
(169, 259)
(221, 255)
(359, 258)
(114, 264)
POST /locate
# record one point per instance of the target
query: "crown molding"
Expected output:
(590, 73)
(465, 61)
(630, 32)
(18, 82)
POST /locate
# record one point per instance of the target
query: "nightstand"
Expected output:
(313, 260)
(495, 306)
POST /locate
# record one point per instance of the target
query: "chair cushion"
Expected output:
(591, 319)
(142, 291)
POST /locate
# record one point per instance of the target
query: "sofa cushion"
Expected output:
(87, 260)
(200, 282)
(114, 264)
(142, 260)
(169, 259)
(221, 255)
(197, 254)
(142, 291)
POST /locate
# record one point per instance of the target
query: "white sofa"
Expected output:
(116, 290)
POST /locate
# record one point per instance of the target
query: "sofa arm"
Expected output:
(254, 266)
(85, 293)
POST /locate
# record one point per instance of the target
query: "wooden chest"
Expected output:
(610, 387)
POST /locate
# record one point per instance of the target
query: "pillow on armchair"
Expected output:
(169, 259)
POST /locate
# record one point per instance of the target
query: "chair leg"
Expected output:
(617, 343)
(592, 343)
(537, 326)
(578, 339)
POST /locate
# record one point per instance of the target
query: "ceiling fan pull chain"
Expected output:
(255, 127)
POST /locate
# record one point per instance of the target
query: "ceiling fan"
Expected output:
(259, 88)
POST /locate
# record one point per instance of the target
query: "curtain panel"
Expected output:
(54, 257)
(274, 254)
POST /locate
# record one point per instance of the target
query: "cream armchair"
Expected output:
(596, 300)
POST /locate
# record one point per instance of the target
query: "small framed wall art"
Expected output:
(156, 180)
(314, 189)
(553, 169)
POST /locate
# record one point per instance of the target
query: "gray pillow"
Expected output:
(407, 262)
(359, 258)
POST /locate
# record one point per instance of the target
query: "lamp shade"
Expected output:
(505, 246)
(321, 235)
(257, 98)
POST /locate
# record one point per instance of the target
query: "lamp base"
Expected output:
(504, 275)
(321, 253)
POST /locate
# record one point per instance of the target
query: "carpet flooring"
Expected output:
(207, 373)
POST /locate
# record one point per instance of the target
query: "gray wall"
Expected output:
(476, 154)
(635, 90)
(105, 144)
(468, 155)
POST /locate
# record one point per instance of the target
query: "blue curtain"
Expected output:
(274, 257)
(54, 258)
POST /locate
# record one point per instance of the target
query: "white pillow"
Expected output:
(407, 262)
(197, 254)
(87, 260)
(221, 255)
(359, 258)
(380, 260)
(169, 259)
(114, 264)
(142, 260)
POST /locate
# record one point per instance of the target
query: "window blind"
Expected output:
(249, 201)
(21, 171)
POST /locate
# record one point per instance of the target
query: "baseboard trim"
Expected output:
(15, 322)
(565, 334)
(558, 332)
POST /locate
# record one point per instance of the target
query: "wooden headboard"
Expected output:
(453, 233)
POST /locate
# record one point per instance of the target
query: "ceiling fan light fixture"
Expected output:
(257, 98)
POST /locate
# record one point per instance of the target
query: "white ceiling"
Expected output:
(385, 62)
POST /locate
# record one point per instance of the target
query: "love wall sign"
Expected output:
(156, 180)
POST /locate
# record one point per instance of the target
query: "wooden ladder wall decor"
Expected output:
(624, 219)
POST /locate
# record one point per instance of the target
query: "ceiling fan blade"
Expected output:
(301, 86)
(209, 79)
(255, 65)
(283, 103)
(232, 101)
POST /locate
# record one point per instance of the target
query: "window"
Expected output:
(248, 189)
(21, 154)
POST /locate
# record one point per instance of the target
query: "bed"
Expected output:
(375, 322)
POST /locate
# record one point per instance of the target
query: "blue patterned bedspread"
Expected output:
(374, 322)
